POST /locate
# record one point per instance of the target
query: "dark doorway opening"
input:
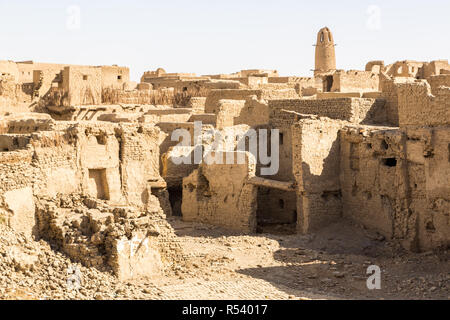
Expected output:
(328, 83)
(276, 212)
(175, 199)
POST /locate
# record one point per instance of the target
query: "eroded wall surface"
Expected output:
(219, 194)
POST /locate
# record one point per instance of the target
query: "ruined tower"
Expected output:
(325, 53)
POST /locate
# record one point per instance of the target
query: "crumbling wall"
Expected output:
(437, 81)
(418, 107)
(29, 122)
(374, 181)
(129, 242)
(215, 95)
(396, 182)
(139, 162)
(83, 85)
(114, 77)
(227, 111)
(197, 104)
(315, 165)
(428, 155)
(12, 94)
(16, 204)
(219, 194)
(99, 161)
(356, 110)
(355, 81)
(166, 115)
(115, 163)
(254, 113)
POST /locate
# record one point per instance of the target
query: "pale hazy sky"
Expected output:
(221, 36)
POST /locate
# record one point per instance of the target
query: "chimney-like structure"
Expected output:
(325, 53)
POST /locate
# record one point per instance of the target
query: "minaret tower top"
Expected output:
(325, 53)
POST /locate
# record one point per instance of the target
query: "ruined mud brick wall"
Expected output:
(356, 110)
(315, 165)
(205, 118)
(279, 205)
(396, 182)
(141, 96)
(227, 111)
(168, 128)
(28, 123)
(16, 197)
(13, 142)
(442, 80)
(254, 113)
(389, 88)
(30, 169)
(219, 194)
(51, 169)
(44, 80)
(139, 161)
(283, 120)
(306, 81)
(99, 161)
(254, 81)
(9, 68)
(418, 107)
(197, 104)
(221, 84)
(114, 76)
(436, 67)
(106, 161)
(26, 70)
(428, 156)
(12, 93)
(129, 242)
(83, 85)
(351, 81)
(407, 68)
(215, 95)
(226, 139)
(373, 182)
(174, 172)
(56, 164)
(167, 115)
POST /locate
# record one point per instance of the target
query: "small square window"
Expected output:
(119, 77)
(85, 77)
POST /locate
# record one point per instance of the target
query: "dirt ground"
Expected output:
(331, 264)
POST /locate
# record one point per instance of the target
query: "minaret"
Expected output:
(325, 53)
